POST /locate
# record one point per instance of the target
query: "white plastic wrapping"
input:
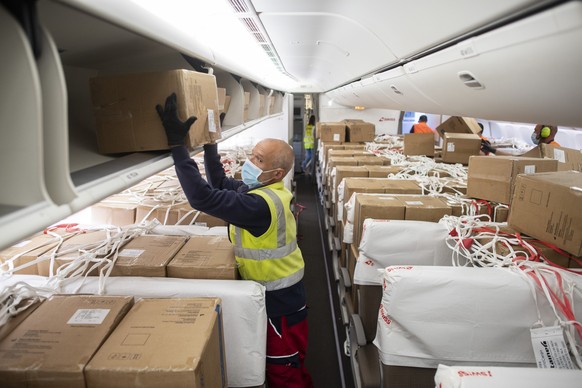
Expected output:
(461, 316)
(505, 377)
(243, 306)
(398, 242)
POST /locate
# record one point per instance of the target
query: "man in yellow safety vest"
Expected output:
(262, 230)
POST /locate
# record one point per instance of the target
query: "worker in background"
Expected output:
(262, 230)
(308, 141)
(486, 147)
(544, 133)
(422, 126)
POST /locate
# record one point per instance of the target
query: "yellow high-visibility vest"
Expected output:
(308, 138)
(272, 259)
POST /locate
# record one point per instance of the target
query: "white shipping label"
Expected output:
(131, 252)
(550, 348)
(211, 123)
(560, 155)
(530, 169)
(336, 137)
(414, 203)
(450, 147)
(88, 317)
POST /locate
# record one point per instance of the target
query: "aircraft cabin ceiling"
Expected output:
(327, 43)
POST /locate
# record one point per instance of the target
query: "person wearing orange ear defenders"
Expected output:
(544, 133)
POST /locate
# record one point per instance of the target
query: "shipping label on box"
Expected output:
(547, 206)
(205, 257)
(493, 178)
(174, 342)
(52, 346)
(127, 121)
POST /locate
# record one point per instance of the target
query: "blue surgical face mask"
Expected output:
(535, 139)
(250, 174)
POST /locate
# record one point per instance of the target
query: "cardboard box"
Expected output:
(331, 132)
(53, 345)
(116, 210)
(25, 252)
(493, 178)
(382, 171)
(424, 208)
(457, 124)
(175, 342)
(359, 131)
(379, 186)
(568, 159)
(370, 160)
(12, 322)
(70, 250)
(147, 255)
(547, 206)
(419, 144)
(458, 147)
(205, 257)
(127, 121)
(167, 213)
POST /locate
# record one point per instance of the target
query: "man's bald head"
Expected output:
(276, 154)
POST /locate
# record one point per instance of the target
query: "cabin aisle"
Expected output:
(325, 359)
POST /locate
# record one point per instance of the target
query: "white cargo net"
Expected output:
(98, 256)
(478, 242)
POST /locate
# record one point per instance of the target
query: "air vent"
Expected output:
(239, 6)
(245, 12)
(395, 90)
(470, 81)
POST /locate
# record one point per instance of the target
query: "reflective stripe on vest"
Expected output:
(274, 267)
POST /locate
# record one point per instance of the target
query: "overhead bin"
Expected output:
(24, 200)
(510, 73)
(493, 76)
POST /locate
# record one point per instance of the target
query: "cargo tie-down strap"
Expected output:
(478, 242)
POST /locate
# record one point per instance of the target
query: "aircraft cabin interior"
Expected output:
(511, 67)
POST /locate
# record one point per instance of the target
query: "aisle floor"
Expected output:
(325, 360)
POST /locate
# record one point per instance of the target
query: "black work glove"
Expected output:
(176, 130)
(486, 147)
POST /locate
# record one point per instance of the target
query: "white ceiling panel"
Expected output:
(361, 37)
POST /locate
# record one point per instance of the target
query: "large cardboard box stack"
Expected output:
(359, 131)
(493, 178)
(331, 132)
(127, 121)
(147, 255)
(547, 206)
(205, 257)
(459, 147)
(175, 342)
(53, 345)
(419, 144)
(457, 124)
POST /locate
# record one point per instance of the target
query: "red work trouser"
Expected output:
(286, 347)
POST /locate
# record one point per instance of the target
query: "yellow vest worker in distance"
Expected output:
(308, 142)
(422, 126)
(263, 232)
